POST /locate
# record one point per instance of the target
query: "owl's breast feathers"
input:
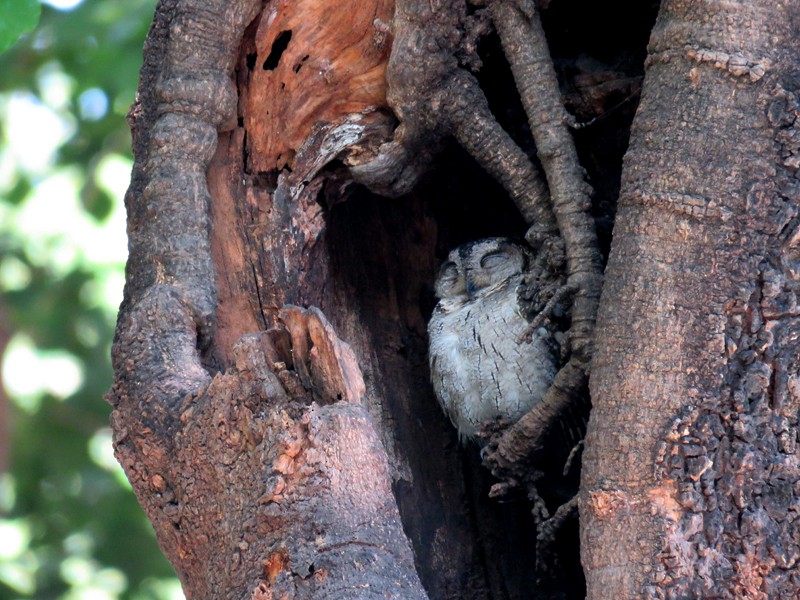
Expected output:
(479, 369)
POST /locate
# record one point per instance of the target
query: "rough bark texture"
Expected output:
(272, 403)
(266, 480)
(690, 485)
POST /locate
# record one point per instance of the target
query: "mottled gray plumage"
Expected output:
(480, 367)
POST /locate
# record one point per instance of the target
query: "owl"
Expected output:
(481, 368)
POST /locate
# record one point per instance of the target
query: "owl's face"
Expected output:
(478, 265)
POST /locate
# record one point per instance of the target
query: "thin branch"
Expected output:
(525, 46)
(471, 122)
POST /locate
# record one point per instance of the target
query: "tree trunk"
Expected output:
(692, 445)
(272, 400)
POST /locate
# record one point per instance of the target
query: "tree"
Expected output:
(271, 403)
(64, 146)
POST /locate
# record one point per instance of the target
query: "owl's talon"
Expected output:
(538, 236)
(491, 427)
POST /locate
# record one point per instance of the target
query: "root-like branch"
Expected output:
(477, 131)
(548, 532)
(525, 46)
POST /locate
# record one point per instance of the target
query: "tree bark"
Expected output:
(290, 495)
(692, 444)
(272, 403)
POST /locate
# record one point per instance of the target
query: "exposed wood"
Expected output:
(254, 489)
(313, 62)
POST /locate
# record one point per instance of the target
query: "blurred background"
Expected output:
(70, 526)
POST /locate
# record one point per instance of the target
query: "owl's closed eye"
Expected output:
(490, 262)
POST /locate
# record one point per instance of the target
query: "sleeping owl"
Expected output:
(480, 368)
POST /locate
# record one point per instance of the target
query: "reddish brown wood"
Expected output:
(314, 61)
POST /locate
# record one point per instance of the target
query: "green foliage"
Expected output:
(17, 17)
(70, 526)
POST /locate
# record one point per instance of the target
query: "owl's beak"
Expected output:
(470, 289)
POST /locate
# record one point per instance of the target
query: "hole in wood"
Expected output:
(299, 65)
(278, 48)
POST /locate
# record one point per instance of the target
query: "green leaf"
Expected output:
(17, 17)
